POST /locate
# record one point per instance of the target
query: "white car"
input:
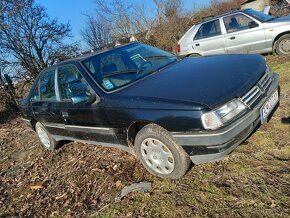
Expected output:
(242, 31)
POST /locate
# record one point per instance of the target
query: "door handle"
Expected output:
(197, 44)
(232, 38)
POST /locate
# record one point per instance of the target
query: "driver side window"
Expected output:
(71, 82)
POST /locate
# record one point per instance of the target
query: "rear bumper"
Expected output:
(213, 145)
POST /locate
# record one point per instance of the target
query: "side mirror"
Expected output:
(252, 24)
(83, 98)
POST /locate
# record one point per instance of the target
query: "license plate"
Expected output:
(268, 106)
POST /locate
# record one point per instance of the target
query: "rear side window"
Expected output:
(47, 86)
(71, 82)
(209, 29)
(237, 22)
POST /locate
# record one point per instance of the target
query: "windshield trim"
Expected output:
(81, 62)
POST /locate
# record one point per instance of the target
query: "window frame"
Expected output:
(220, 33)
(37, 86)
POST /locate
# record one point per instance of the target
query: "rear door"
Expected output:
(44, 103)
(84, 119)
(243, 34)
(209, 40)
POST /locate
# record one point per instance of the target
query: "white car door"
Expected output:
(243, 34)
(209, 40)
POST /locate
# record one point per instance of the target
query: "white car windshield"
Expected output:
(259, 15)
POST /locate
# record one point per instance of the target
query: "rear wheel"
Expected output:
(282, 45)
(160, 154)
(45, 138)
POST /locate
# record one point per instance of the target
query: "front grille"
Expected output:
(251, 97)
(265, 81)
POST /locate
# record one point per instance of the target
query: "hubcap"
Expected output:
(285, 46)
(43, 137)
(157, 156)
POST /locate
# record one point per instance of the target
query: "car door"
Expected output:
(243, 34)
(44, 103)
(84, 117)
(208, 40)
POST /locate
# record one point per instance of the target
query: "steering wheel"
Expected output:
(145, 63)
(142, 66)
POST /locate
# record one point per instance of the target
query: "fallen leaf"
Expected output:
(118, 184)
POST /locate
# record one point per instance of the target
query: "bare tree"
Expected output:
(116, 20)
(97, 32)
(29, 42)
(31, 38)
(118, 14)
(170, 24)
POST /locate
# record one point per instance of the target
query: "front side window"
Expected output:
(238, 22)
(71, 82)
(47, 86)
(209, 29)
(124, 65)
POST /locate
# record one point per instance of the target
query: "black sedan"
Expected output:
(167, 111)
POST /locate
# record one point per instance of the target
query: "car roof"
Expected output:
(222, 15)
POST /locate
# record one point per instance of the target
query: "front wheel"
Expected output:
(44, 136)
(160, 154)
(282, 45)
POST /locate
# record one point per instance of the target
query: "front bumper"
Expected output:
(214, 145)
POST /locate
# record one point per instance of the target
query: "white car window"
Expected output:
(208, 29)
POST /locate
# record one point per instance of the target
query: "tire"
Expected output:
(160, 154)
(45, 138)
(282, 45)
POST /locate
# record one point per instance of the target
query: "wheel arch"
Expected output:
(33, 123)
(134, 128)
(278, 36)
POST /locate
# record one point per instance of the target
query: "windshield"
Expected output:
(259, 15)
(124, 65)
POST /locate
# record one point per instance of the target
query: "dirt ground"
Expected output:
(81, 180)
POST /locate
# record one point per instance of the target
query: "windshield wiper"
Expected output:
(123, 72)
(158, 57)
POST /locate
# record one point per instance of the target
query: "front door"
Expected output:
(244, 35)
(84, 119)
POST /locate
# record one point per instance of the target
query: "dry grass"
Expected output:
(80, 180)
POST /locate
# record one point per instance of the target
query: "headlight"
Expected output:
(217, 118)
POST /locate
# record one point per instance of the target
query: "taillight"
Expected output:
(178, 48)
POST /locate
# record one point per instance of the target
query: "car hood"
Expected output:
(280, 19)
(210, 81)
